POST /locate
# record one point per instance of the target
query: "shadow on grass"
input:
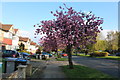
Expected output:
(85, 72)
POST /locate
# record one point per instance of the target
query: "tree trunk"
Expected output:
(57, 54)
(69, 47)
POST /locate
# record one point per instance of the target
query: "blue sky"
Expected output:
(24, 15)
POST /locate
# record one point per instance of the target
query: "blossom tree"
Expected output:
(50, 43)
(72, 28)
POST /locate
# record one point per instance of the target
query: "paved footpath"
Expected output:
(50, 69)
(53, 70)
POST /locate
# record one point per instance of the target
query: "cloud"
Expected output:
(24, 33)
(104, 32)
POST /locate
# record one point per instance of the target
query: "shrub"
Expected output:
(99, 54)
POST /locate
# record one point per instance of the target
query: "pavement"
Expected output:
(110, 67)
(48, 69)
(53, 70)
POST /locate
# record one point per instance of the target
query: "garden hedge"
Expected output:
(99, 54)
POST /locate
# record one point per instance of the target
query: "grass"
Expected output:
(106, 57)
(111, 57)
(0, 59)
(83, 72)
(47, 59)
(80, 54)
(83, 55)
(55, 55)
(62, 59)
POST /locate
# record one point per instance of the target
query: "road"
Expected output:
(111, 67)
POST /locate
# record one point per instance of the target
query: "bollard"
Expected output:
(38, 56)
(43, 57)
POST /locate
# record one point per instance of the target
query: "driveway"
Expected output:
(111, 67)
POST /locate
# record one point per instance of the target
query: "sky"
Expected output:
(23, 15)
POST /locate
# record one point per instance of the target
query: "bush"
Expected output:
(99, 54)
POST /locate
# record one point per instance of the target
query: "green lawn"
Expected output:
(107, 57)
(111, 57)
(83, 72)
(0, 59)
(47, 59)
(82, 54)
(62, 59)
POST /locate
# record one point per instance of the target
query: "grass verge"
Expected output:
(61, 59)
(47, 59)
(0, 59)
(83, 72)
(106, 57)
(80, 54)
(111, 57)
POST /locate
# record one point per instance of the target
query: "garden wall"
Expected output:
(22, 72)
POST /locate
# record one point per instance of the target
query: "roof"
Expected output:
(15, 30)
(6, 26)
(25, 39)
(37, 45)
(32, 43)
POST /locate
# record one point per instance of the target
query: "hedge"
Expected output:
(99, 54)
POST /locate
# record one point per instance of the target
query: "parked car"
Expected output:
(50, 55)
(10, 53)
(109, 54)
(63, 54)
(33, 55)
(45, 53)
(117, 54)
(25, 55)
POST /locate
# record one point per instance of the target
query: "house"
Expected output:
(33, 47)
(10, 39)
(15, 39)
(1, 36)
(7, 33)
(25, 41)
